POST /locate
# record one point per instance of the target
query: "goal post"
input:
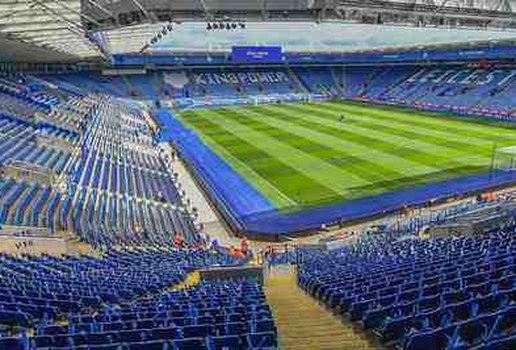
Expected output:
(504, 158)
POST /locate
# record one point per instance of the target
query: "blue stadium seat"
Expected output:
(226, 342)
(13, 343)
(433, 340)
(264, 340)
(190, 344)
(505, 324)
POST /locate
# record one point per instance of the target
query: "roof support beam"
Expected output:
(78, 13)
(416, 14)
(73, 27)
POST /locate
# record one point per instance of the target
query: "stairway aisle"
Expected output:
(213, 225)
(304, 324)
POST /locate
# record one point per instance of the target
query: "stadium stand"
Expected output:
(101, 152)
(381, 242)
(87, 163)
(462, 89)
(442, 87)
(57, 298)
(440, 293)
(185, 83)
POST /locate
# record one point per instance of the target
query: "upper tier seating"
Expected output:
(456, 88)
(111, 184)
(198, 83)
(120, 181)
(443, 293)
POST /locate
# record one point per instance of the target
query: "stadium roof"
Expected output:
(89, 29)
(323, 37)
(55, 25)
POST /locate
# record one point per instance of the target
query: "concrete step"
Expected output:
(303, 323)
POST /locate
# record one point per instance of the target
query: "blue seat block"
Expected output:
(265, 340)
(226, 342)
(190, 344)
(433, 340)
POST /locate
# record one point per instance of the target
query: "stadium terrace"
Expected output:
(241, 175)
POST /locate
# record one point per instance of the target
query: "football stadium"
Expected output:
(257, 175)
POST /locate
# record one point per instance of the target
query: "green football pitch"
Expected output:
(306, 154)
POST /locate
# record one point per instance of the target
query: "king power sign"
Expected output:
(243, 78)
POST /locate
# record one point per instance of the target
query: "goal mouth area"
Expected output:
(504, 158)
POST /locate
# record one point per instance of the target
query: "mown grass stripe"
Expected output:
(383, 149)
(312, 166)
(391, 128)
(449, 138)
(278, 198)
(278, 161)
(372, 172)
(343, 148)
(455, 125)
(413, 149)
(263, 165)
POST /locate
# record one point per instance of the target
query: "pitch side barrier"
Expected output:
(306, 219)
(248, 211)
(221, 101)
(502, 115)
(232, 194)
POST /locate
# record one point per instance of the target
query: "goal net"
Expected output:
(505, 158)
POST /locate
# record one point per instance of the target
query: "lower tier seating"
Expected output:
(442, 293)
(124, 301)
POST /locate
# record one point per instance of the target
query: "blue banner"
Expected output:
(266, 54)
(275, 55)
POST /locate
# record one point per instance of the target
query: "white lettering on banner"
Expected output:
(257, 54)
(507, 77)
(220, 79)
(282, 77)
(199, 79)
(243, 78)
(416, 76)
(252, 78)
(211, 81)
(472, 78)
(454, 79)
(431, 75)
(443, 76)
(264, 78)
(233, 78)
(491, 76)
(463, 76)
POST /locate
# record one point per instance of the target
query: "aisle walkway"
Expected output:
(304, 324)
(207, 215)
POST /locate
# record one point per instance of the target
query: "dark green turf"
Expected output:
(302, 155)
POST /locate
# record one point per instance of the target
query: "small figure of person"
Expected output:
(178, 240)
(215, 244)
(244, 245)
(160, 197)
